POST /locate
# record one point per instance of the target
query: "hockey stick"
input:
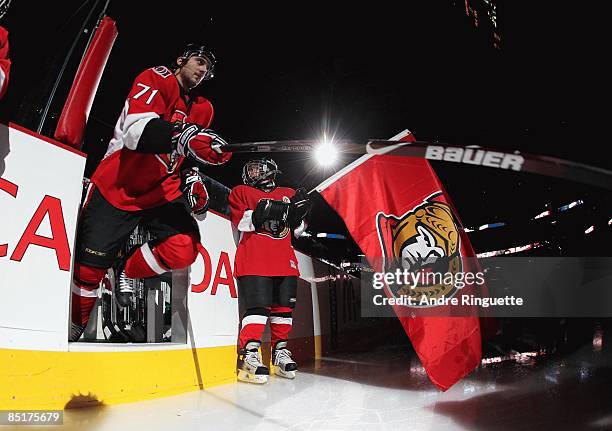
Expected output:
(296, 146)
(464, 154)
(496, 158)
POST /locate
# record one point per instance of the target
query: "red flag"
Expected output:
(397, 211)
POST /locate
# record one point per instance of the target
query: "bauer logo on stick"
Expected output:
(474, 156)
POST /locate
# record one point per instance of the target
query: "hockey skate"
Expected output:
(124, 289)
(122, 286)
(250, 367)
(282, 363)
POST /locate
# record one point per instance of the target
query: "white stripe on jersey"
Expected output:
(128, 129)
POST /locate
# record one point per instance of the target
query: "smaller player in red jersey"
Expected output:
(265, 266)
(147, 178)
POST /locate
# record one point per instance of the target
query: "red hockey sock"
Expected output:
(144, 263)
(81, 308)
(281, 323)
(175, 252)
(84, 291)
(253, 325)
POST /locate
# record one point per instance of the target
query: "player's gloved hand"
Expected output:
(217, 145)
(299, 207)
(200, 144)
(270, 217)
(195, 191)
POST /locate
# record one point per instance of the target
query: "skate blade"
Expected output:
(286, 374)
(258, 379)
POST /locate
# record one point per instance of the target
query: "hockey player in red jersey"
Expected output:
(162, 129)
(5, 62)
(265, 266)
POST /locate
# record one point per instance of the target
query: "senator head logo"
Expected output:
(275, 227)
(425, 240)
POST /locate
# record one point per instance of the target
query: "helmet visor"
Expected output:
(259, 171)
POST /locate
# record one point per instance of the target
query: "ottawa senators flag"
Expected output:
(398, 213)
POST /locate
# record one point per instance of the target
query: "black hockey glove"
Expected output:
(299, 208)
(270, 217)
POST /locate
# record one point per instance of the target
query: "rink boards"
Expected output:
(40, 191)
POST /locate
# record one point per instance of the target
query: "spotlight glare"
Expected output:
(326, 153)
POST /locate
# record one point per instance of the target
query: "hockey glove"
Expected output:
(270, 217)
(299, 208)
(199, 144)
(195, 191)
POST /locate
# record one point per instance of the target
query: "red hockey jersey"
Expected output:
(258, 253)
(133, 181)
(5, 62)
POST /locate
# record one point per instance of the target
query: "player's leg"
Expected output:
(174, 247)
(102, 232)
(281, 322)
(255, 295)
(156, 257)
(85, 282)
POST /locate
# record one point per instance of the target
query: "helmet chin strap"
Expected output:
(267, 185)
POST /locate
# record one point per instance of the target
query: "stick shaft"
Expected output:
(462, 154)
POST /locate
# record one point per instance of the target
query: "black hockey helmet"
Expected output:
(4, 5)
(260, 173)
(200, 50)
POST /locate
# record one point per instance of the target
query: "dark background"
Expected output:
(359, 72)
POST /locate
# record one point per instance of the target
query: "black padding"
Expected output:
(255, 291)
(257, 311)
(156, 137)
(260, 292)
(285, 291)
